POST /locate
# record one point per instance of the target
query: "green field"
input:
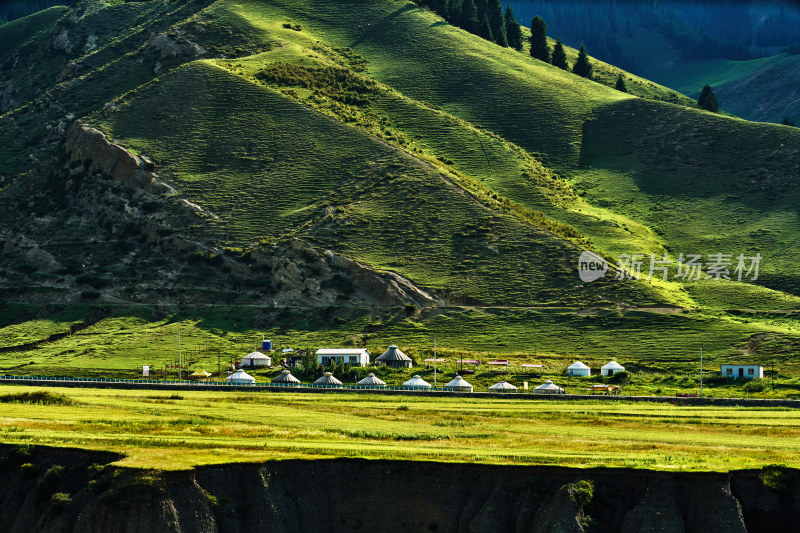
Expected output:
(181, 430)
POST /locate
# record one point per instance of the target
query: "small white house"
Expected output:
(742, 371)
(578, 369)
(256, 360)
(343, 356)
(611, 368)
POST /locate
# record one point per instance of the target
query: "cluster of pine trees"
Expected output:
(481, 17)
(541, 50)
(486, 19)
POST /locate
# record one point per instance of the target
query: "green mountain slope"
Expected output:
(333, 154)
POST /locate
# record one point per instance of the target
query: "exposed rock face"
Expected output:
(657, 512)
(559, 514)
(33, 255)
(91, 147)
(7, 101)
(61, 42)
(387, 496)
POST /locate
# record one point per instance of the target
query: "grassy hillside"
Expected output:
(378, 131)
(684, 181)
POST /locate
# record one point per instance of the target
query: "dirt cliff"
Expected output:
(57, 490)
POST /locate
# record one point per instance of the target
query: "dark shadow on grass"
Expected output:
(380, 28)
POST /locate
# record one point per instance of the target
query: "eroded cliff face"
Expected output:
(56, 490)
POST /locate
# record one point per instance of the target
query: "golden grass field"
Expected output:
(167, 430)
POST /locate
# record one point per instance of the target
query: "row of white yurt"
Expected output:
(579, 369)
(286, 379)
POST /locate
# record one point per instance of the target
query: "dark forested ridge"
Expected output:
(14, 9)
(614, 30)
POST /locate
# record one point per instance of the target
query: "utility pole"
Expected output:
(434, 362)
(701, 372)
(179, 356)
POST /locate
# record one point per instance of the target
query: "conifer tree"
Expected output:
(582, 66)
(620, 86)
(469, 16)
(454, 12)
(787, 121)
(539, 48)
(513, 29)
(494, 11)
(485, 29)
(440, 7)
(480, 5)
(707, 100)
(559, 56)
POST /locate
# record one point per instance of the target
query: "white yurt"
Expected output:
(577, 369)
(328, 381)
(240, 377)
(286, 379)
(503, 386)
(459, 384)
(548, 387)
(394, 358)
(371, 382)
(609, 369)
(256, 360)
(417, 383)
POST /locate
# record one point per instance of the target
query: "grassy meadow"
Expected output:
(181, 430)
(660, 349)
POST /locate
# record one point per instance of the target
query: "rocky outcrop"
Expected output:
(387, 496)
(307, 277)
(559, 513)
(31, 253)
(173, 46)
(92, 149)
